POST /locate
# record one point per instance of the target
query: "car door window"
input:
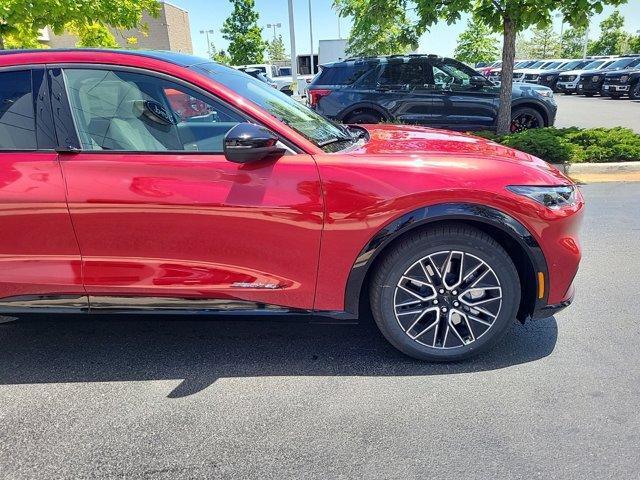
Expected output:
(450, 75)
(406, 75)
(126, 111)
(17, 115)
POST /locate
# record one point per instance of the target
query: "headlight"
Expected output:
(551, 197)
(544, 93)
(595, 78)
(624, 78)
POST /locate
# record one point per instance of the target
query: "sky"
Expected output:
(441, 40)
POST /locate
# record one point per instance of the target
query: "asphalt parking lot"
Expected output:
(125, 398)
(591, 112)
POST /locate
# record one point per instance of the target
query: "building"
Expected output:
(169, 31)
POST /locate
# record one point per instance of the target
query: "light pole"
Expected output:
(294, 60)
(586, 42)
(311, 37)
(560, 15)
(274, 26)
(207, 32)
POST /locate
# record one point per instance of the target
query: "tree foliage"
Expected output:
(276, 50)
(390, 19)
(613, 40)
(244, 35)
(477, 43)
(572, 42)
(219, 56)
(21, 20)
(391, 31)
(544, 43)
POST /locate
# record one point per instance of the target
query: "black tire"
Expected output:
(589, 94)
(525, 118)
(415, 247)
(365, 117)
(568, 93)
(634, 91)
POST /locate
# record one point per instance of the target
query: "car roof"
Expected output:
(381, 59)
(176, 58)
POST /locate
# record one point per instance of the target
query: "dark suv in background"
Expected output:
(423, 89)
(550, 77)
(591, 82)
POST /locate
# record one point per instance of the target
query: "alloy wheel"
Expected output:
(524, 121)
(447, 299)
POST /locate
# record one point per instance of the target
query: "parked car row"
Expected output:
(423, 89)
(607, 76)
(278, 77)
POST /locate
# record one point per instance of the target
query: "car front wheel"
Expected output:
(445, 294)
(525, 118)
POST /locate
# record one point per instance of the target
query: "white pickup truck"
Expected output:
(281, 76)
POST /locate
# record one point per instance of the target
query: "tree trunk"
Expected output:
(508, 58)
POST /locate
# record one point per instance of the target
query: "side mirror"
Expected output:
(478, 81)
(247, 143)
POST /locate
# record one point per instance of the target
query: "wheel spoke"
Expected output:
(453, 269)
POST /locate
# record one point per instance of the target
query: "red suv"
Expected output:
(159, 182)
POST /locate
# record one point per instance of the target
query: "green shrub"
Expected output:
(541, 142)
(559, 145)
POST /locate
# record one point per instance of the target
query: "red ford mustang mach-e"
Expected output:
(159, 182)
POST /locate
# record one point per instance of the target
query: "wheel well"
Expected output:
(359, 110)
(516, 252)
(537, 108)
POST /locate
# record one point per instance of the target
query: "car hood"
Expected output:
(582, 72)
(529, 70)
(619, 73)
(407, 142)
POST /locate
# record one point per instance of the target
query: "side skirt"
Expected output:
(130, 305)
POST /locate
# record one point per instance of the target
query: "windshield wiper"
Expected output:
(335, 140)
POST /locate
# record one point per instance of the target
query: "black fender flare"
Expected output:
(361, 106)
(442, 212)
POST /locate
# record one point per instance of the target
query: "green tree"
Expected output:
(391, 33)
(544, 43)
(219, 56)
(244, 34)
(506, 16)
(275, 49)
(477, 43)
(21, 20)
(572, 42)
(634, 44)
(613, 39)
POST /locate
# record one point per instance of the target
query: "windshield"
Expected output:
(573, 65)
(622, 63)
(535, 65)
(302, 119)
(593, 65)
(284, 72)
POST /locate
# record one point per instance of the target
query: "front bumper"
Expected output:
(552, 309)
(566, 86)
(589, 87)
(613, 89)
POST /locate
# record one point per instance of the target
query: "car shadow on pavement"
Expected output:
(105, 349)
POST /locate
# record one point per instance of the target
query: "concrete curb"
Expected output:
(598, 168)
(601, 172)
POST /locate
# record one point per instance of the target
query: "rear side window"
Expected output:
(343, 74)
(17, 116)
